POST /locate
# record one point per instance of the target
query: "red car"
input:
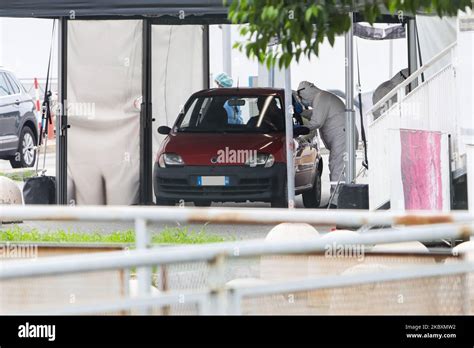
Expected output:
(228, 145)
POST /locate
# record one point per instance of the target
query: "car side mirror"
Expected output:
(297, 131)
(165, 130)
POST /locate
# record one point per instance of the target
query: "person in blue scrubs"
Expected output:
(234, 114)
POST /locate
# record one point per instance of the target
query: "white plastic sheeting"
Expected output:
(465, 88)
(177, 72)
(435, 34)
(104, 96)
(104, 81)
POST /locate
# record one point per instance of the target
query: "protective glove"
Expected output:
(307, 114)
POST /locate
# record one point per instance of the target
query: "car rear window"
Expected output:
(14, 85)
(262, 114)
(4, 85)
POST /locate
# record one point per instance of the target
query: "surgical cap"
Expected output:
(224, 80)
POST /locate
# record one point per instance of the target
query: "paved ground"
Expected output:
(227, 230)
(230, 231)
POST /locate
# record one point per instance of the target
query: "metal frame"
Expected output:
(230, 299)
(290, 166)
(217, 298)
(206, 57)
(350, 170)
(412, 51)
(61, 121)
(146, 118)
(100, 261)
(232, 215)
(146, 113)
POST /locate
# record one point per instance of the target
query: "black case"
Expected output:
(40, 190)
(353, 196)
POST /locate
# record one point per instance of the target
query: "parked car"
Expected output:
(18, 125)
(228, 144)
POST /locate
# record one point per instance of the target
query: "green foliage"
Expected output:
(301, 26)
(169, 235)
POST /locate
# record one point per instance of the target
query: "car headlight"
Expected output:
(260, 160)
(270, 160)
(170, 159)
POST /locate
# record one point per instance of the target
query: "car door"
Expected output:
(305, 163)
(22, 101)
(9, 116)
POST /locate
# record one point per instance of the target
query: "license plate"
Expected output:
(213, 181)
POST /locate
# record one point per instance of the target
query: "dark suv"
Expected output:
(18, 125)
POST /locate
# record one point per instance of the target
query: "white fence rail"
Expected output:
(431, 106)
(217, 297)
(229, 215)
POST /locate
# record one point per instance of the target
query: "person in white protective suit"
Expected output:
(327, 115)
(385, 88)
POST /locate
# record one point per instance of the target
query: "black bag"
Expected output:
(40, 190)
(353, 196)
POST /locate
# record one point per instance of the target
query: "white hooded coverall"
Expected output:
(327, 115)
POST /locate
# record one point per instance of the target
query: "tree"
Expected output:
(301, 26)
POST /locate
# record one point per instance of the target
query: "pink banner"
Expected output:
(421, 169)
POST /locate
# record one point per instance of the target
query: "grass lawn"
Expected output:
(20, 175)
(169, 235)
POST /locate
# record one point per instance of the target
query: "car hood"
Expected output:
(223, 148)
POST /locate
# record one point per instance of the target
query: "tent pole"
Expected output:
(390, 59)
(266, 76)
(271, 73)
(206, 69)
(412, 50)
(61, 119)
(350, 112)
(146, 145)
(290, 167)
(226, 49)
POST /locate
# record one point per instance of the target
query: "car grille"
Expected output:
(244, 186)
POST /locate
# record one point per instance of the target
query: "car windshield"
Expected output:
(227, 113)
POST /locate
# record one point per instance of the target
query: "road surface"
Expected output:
(231, 231)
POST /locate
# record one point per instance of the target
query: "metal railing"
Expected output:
(217, 298)
(430, 106)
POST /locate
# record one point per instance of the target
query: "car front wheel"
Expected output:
(26, 154)
(312, 197)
